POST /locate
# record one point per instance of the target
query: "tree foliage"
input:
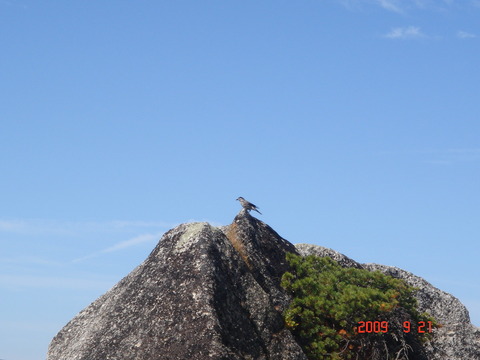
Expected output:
(329, 302)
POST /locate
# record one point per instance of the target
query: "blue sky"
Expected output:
(351, 124)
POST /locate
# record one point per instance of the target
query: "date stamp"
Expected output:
(380, 327)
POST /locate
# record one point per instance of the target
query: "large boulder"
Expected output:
(203, 293)
(456, 339)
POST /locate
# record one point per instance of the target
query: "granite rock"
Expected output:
(203, 293)
(457, 339)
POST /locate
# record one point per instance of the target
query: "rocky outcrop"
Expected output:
(345, 261)
(214, 293)
(203, 293)
(457, 339)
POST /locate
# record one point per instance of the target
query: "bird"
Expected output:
(247, 205)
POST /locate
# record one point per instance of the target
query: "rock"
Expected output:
(345, 261)
(214, 293)
(457, 339)
(198, 295)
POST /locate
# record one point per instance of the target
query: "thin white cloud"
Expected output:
(31, 260)
(132, 242)
(39, 227)
(465, 35)
(400, 6)
(26, 281)
(6, 2)
(452, 156)
(464, 151)
(150, 231)
(127, 223)
(55, 227)
(463, 155)
(391, 5)
(12, 225)
(12, 3)
(409, 32)
(122, 245)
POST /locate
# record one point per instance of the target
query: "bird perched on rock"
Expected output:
(247, 205)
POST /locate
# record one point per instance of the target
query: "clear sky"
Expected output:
(352, 125)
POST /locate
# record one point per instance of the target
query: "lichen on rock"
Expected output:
(193, 297)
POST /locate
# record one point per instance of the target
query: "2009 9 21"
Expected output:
(382, 327)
